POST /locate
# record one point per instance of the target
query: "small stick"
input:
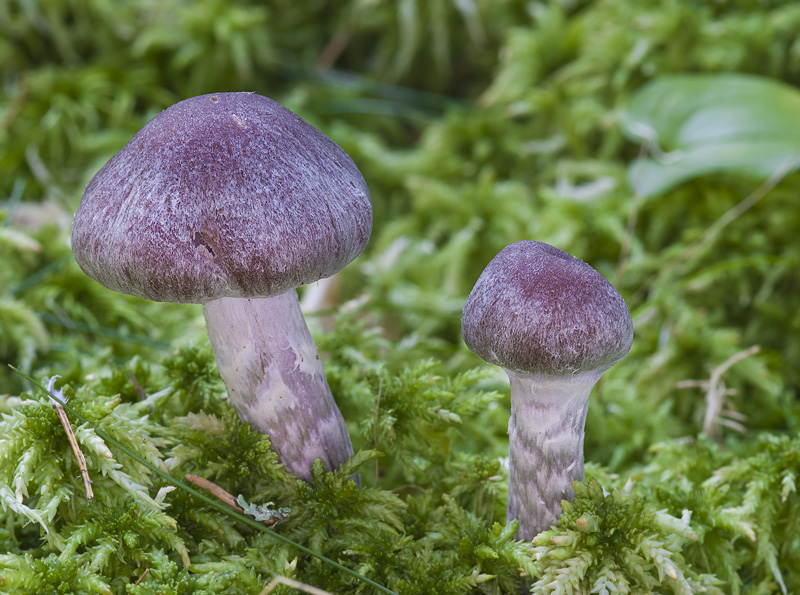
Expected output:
(144, 574)
(226, 497)
(282, 580)
(139, 389)
(715, 396)
(334, 49)
(62, 416)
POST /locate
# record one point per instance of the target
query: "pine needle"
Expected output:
(62, 415)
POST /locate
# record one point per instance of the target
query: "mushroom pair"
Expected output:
(555, 325)
(232, 201)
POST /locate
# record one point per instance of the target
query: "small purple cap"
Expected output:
(538, 310)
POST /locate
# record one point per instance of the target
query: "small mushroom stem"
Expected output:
(276, 381)
(545, 446)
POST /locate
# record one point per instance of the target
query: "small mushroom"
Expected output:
(555, 325)
(232, 201)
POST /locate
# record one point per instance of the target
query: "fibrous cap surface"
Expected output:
(538, 310)
(224, 195)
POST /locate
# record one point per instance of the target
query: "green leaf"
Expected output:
(701, 124)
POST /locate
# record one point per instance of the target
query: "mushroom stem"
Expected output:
(546, 432)
(276, 381)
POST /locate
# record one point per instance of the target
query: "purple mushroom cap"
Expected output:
(538, 310)
(223, 195)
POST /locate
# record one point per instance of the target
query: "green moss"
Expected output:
(476, 124)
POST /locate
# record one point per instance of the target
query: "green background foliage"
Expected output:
(476, 123)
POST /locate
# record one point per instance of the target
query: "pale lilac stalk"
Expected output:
(275, 379)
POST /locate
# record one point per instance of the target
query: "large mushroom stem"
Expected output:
(545, 445)
(276, 381)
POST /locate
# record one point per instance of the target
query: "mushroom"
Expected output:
(555, 325)
(232, 201)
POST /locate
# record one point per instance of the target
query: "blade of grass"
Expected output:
(39, 275)
(183, 486)
(101, 331)
(13, 201)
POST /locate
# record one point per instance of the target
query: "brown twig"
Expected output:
(141, 578)
(139, 390)
(282, 580)
(716, 392)
(334, 49)
(226, 497)
(62, 416)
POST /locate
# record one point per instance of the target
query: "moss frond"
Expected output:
(603, 535)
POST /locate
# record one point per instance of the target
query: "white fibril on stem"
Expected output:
(232, 201)
(555, 325)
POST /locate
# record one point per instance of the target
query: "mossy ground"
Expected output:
(475, 124)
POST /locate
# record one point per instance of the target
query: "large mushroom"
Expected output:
(555, 325)
(232, 201)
